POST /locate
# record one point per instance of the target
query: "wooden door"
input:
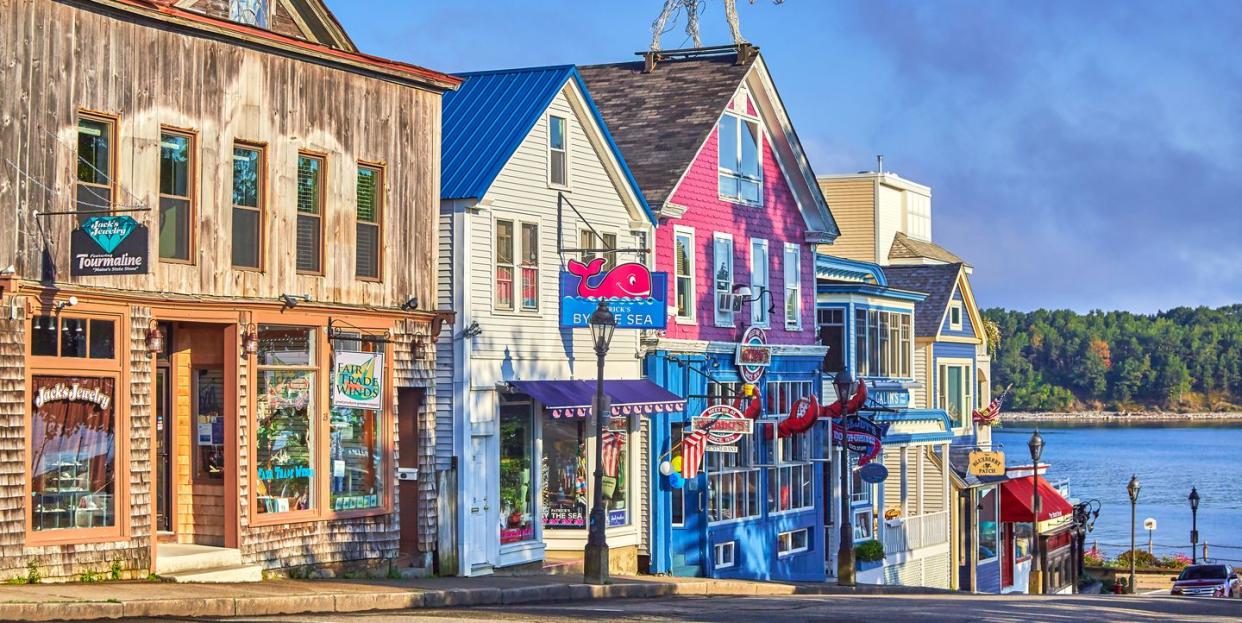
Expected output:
(1007, 556)
(409, 403)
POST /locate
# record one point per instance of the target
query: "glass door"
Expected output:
(163, 444)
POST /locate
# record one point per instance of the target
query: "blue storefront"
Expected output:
(758, 512)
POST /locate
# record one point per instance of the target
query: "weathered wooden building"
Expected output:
(216, 329)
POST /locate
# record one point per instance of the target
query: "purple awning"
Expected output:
(574, 398)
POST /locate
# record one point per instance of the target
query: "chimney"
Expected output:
(649, 60)
(879, 163)
(746, 52)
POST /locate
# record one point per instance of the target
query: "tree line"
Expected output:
(1187, 359)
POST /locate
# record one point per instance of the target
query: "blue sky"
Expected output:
(1082, 155)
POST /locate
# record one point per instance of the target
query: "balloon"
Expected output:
(676, 464)
(666, 468)
(676, 481)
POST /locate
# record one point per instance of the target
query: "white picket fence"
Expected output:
(919, 531)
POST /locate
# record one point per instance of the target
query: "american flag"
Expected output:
(692, 448)
(991, 414)
(613, 442)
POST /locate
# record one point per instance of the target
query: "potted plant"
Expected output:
(868, 554)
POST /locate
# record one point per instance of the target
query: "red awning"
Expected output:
(1016, 501)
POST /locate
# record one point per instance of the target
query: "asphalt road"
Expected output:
(883, 608)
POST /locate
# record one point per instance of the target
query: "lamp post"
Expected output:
(595, 559)
(844, 385)
(1036, 446)
(1133, 490)
(1194, 525)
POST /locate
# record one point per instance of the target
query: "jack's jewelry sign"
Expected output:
(109, 245)
(635, 295)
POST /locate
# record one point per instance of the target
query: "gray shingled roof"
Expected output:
(937, 281)
(907, 247)
(660, 119)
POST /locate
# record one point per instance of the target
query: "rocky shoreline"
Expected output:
(1121, 416)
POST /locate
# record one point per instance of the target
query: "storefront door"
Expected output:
(409, 403)
(689, 519)
(163, 446)
(482, 537)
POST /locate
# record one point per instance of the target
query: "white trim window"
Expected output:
(726, 554)
(793, 286)
(760, 282)
(503, 297)
(988, 526)
(683, 269)
(722, 278)
(793, 542)
(740, 164)
(954, 392)
(863, 522)
(558, 152)
(732, 479)
(955, 316)
(791, 481)
(530, 267)
(883, 343)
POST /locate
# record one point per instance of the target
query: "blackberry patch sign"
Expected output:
(109, 245)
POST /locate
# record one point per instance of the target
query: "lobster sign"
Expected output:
(635, 295)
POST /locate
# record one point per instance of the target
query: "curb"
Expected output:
(413, 599)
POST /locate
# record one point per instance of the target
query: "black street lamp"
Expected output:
(1133, 490)
(1194, 525)
(1036, 446)
(844, 385)
(595, 559)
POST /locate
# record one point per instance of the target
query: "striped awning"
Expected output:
(570, 399)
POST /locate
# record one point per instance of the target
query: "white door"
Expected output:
(481, 531)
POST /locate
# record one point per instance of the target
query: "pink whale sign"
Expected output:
(635, 295)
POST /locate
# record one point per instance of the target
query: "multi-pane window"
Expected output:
(790, 480)
(530, 266)
(918, 216)
(355, 446)
(732, 478)
(741, 179)
(883, 343)
(793, 286)
(792, 542)
(310, 214)
(176, 195)
(832, 334)
(65, 336)
(759, 283)
(252, 12)
(558, 152)
(504, 265)
(285, 414)
(726, 554)
(95, 186)
(640, 242)
(683, 267)
(370, 193)
(595, 246)
(955, 392)
(860, 490)
(988, 541)
(722, 278)
(247, 206)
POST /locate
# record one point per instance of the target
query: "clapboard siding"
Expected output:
(852, 201)
(446, 363)
(61, 58)
(919, 393)
(531, 344)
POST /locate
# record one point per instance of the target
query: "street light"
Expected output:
(1133, 490)
(1194, 525)
(595, 559)
(1036, 446)
(844, 385)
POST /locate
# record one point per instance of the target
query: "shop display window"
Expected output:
(732, 479)
(354, 447)
(565, 474)
(72, 452)
(284, 426)
(616, 487)
(517, 496)
(988, 548)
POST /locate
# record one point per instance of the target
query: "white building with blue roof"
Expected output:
(531, 178)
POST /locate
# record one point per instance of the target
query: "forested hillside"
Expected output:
(1182, 359)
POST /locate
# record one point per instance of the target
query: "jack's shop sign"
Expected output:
(109, 245)
(635, 295)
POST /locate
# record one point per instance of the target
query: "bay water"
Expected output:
(1098, 459)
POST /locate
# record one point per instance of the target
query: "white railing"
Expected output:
(917, 532)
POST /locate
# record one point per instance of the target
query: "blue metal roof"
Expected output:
(486, 119)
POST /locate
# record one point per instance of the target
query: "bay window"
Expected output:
(791, 484)
(883, 343)
(732, 478)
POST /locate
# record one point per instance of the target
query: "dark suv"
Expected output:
(1207, 581)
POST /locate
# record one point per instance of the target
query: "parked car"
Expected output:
(1208, 581)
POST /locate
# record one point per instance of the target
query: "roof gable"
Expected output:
(310, 20)
(938, 281)
(905, 247)
(663, 118)
(485, 121)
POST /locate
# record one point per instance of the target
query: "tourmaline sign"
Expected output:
(109, 245)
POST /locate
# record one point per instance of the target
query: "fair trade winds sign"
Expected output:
(109, 245)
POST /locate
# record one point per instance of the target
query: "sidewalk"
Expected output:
(112, 600)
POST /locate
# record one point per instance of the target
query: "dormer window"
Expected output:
(741, 178)
(252, 12)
